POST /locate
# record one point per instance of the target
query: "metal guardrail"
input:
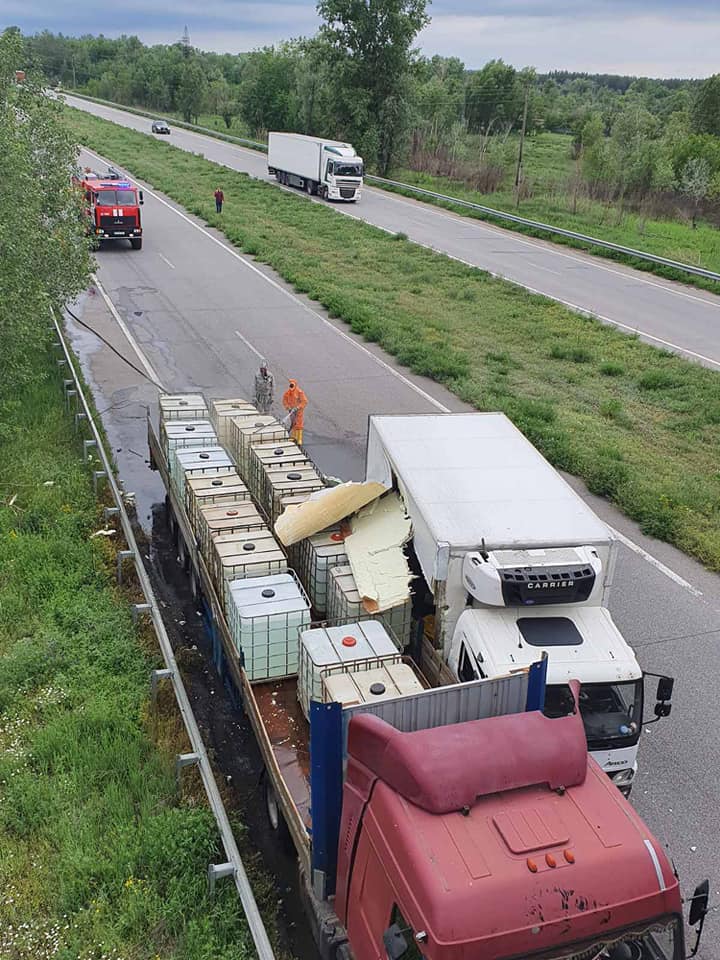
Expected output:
(198, 757)
(456, 201)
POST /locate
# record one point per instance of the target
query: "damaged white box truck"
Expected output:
(512, 562)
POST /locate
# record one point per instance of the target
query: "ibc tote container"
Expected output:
(209, 491)
(222, 412)
(349, 647)
(315, 557)
(189, 462)
(180, 406)
(268, 454)
(213, 521)
(247, 430)
(344, 603)
(286, 482)
(188, 433)
(265, 616)
(239, 556)
(368, 686)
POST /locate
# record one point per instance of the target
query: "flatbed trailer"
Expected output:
(282, 732)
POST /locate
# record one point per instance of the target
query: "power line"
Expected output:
(108, 344)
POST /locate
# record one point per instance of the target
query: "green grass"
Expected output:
(492, 343)
(98, 857)
(670, 239)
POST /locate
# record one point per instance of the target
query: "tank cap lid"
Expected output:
(204, 456)
(231, 513)
(259, 423)
(189, 429)
(268, 593)
(248, 546)
(349, 641)
(337, 537)
(294, 476)
(217, 483)
(278, 451)
(377, 689)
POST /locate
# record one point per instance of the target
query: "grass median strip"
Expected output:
(99, 857)
(639, 425)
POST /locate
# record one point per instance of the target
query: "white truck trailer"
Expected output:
(513, 562)
(330, 168)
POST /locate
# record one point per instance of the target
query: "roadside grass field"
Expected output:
(99, 857)
(671, 239)
(641, 426)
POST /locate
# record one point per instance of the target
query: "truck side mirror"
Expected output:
(665, 689)
(698, 911)
(142, 198)
(395, 943)
(699, 903)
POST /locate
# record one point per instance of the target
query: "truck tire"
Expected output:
(310, 188)
(136, 243)
(275, 818)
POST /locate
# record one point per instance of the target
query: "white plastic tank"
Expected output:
(355, 646)
(188, 433)
(265, 616)
(344, 603)
(387, 682)
(195, 462)
(222, 412)
(236, 556)
(214, 520)
(250, 429)
(286, 481)
(316, 556)
(263, 455)
(208, 491)
(180, 406)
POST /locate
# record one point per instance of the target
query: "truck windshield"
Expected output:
(116, 198)
(348, 170)
(611, 712)
(662, 940)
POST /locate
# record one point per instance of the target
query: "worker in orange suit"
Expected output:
(295, 401)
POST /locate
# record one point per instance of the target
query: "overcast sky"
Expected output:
(657, 38)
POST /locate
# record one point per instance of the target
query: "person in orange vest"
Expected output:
(295, 401)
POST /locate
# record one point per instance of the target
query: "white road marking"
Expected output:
(287, 293)
(249, 345)
(130, 338)
(653, 561)
(386, 366)
(539, 266)
(171, 265)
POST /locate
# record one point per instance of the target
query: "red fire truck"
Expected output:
(113, 206)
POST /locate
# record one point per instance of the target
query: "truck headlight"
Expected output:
(623, 776)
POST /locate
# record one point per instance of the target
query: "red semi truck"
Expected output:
(113, 206)
(457, 823)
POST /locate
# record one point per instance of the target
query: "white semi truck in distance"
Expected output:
(512, 562)
(329, 168)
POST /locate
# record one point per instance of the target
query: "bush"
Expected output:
(576, 354)
(611, 369)
(658, 380)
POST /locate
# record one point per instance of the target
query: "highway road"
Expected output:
(194, 314)
(666, 314)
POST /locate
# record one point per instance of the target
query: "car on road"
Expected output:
(160, 126)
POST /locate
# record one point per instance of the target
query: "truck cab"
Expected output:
(499, 839)
(342, 170)
(112, 205)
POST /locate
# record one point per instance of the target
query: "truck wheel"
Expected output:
(275, 818)
(310, 188)
(136, 243)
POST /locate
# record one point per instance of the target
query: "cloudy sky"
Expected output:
(657, 38)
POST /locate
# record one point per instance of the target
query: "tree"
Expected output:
(492, 95)
(44, 250)
(705, 110)
(371, 46)
(695, 183)
(267, 91)
(192, 90)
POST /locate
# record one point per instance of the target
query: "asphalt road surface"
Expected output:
(669, 315)
(200, 315)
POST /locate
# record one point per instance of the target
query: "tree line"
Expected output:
(360, 78)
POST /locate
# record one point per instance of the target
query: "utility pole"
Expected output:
(73, 69)
(520, 148)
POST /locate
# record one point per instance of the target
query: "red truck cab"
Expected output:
(496, 839)
(113, 207)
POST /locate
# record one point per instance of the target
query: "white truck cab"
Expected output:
(582, 643)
